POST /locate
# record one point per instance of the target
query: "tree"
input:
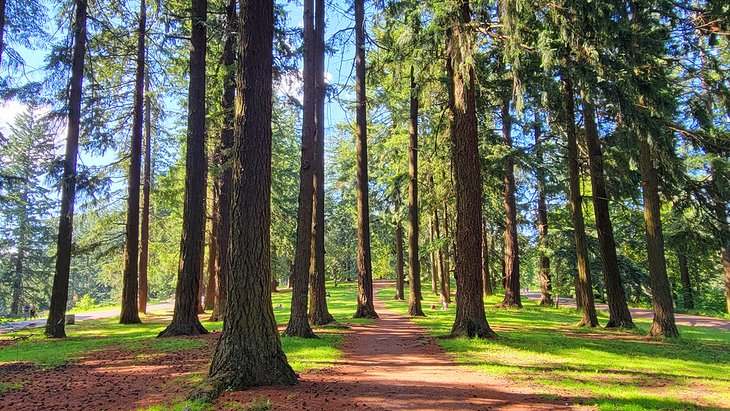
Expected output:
(146, 191)
(542, 219)
(26, 155)
(298, 325)
(618, 309)
(185, 318)
(224, 181)
(511, 244)
(584, 288)
(399, 275)
(55, 325)
(318, 312)
(249, 352)
(470, 318)
(130, 309)
(486, 275)
(365, 307)
(414, 264)
(209, 302)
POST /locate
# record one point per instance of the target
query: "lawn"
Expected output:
(32, 346)
(613, 370)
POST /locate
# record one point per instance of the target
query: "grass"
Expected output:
(7, 386)
(613, 370)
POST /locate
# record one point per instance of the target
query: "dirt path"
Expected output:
(643, 313)
(394, 364)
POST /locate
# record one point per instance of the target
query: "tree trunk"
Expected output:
(318, 312)
(414, 264)
(663, 324)
(584, 288)
(59, 296)
(365, 307)
(399, 277)
(15, 305)
(209, 302)
(298, 321)
(144, 247)
(725, 251)
(511, 241)
(434, 277)
(542, 220)
(440, 263)
(130, 278)
(446, 273)
(226, 146)
(470, 319)
(249, 352)
(486, 277)
(684, 277)
(618, 309)
(185, 317)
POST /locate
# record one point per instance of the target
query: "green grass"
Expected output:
(613, 370)
(33, 347)
(7, 386)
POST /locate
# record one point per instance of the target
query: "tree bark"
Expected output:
(130, 278)
(618, 309)
(663, 324)
(209, 302)
(470, 319)
(318, 312)
(486, 276)
(399, 277)
(249, 352)
(542, 220)
(226, 146)
(511, 241)
(440, 255)
(414, 264)
(144, 247)
(684, 277)
(365, 307)
(446, 273)
(185, 317)
(55, 327)
(584, 288)
(434, 277)
(298, 321)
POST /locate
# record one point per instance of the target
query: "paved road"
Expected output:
(92, 315)
(643, 313)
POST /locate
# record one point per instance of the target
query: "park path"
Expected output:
(394, 364)
(643, 313)
(91, 315)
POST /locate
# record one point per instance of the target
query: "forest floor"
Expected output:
(540, 361)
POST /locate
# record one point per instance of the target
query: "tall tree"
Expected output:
(365, 307)
(446, 257)
(542, 219)
(486, 275)
(146, 189)
(55, 325)
(298, 325)
(511, 244)
(209, 302)
(584, 288)
(432, 254)
(26, 153)
(130, 308)
(618, 309)
(226, 175)
(249, 351)
(185, 317)
(399, 263)
(318, 312)
(414, 264)
(470, 317)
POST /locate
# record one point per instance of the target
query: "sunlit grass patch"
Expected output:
(610, 369)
